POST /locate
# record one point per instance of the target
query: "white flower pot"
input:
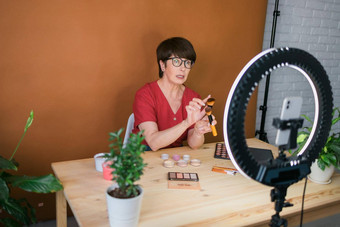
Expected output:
(319, 176)
(123, 212)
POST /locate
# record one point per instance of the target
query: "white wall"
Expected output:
(311, 25)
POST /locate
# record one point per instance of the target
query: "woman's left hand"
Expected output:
(194, 110)
(203, 126)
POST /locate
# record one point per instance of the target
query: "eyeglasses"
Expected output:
(177, 62)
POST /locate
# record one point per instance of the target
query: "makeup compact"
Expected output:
(178, 176)
(186, 157)
(195, 162)
(168, 163)
(176, 157)
(182, 163)
(164, 156)
(221, 151)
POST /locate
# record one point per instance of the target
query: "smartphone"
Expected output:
(291, 109)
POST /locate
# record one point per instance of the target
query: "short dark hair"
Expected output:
(177, 46)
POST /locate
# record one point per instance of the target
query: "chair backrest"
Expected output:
(129, 128)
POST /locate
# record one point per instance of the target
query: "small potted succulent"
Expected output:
(19, 210)
(125, 196)
(329, 157)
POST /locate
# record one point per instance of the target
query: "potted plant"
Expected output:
(19, 210)
(329, 157)
(124, 197)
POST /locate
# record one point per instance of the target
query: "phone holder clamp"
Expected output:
(293, 125)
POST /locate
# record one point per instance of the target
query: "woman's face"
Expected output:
(177, 75)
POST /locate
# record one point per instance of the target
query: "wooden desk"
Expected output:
(224, 200)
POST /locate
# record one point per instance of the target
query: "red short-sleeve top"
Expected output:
(150, 104)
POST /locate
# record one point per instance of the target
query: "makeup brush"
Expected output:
(208, 111)
(210, 102)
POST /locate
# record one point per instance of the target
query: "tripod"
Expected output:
(278, 195)
(262, 134)
(279, 192)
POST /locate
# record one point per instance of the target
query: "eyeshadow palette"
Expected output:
(221, 151)
(178, 176)
(261, 155)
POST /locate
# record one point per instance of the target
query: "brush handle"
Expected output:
(213, 130)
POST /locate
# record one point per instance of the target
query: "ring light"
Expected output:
(294, 168)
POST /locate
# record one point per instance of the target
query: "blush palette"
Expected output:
(178, 176)
(221, 151)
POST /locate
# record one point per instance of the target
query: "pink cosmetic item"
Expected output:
(107, 170)
(176, 157)
(195, 162)
(182, 163)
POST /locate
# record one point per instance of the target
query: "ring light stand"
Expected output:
(283, 171)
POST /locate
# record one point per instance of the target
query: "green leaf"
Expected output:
(7, 164)
(28, 124)
(326, 159)
(41, 184)
(307, 118)
(29, 121)
(10, 222)
(332, 158)
(18, 210)
(4, 191)
(334, 121)
(321, 164)
(302, 137)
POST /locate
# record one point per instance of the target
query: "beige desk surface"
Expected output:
(224, 200)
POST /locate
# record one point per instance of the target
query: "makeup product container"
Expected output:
(182, 163)
(107, 170)
(195, 162)
(164, 156)
(176, 157)
(186, 157)
(168, 163)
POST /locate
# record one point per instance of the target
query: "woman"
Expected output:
(167, 110)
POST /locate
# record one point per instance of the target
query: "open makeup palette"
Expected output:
(183, 176)
(179, 180)
(221, 151)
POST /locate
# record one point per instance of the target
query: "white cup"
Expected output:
(99, 160)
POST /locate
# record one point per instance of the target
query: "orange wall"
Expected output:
(77, 64)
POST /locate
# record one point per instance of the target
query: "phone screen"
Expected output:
(291, 109)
